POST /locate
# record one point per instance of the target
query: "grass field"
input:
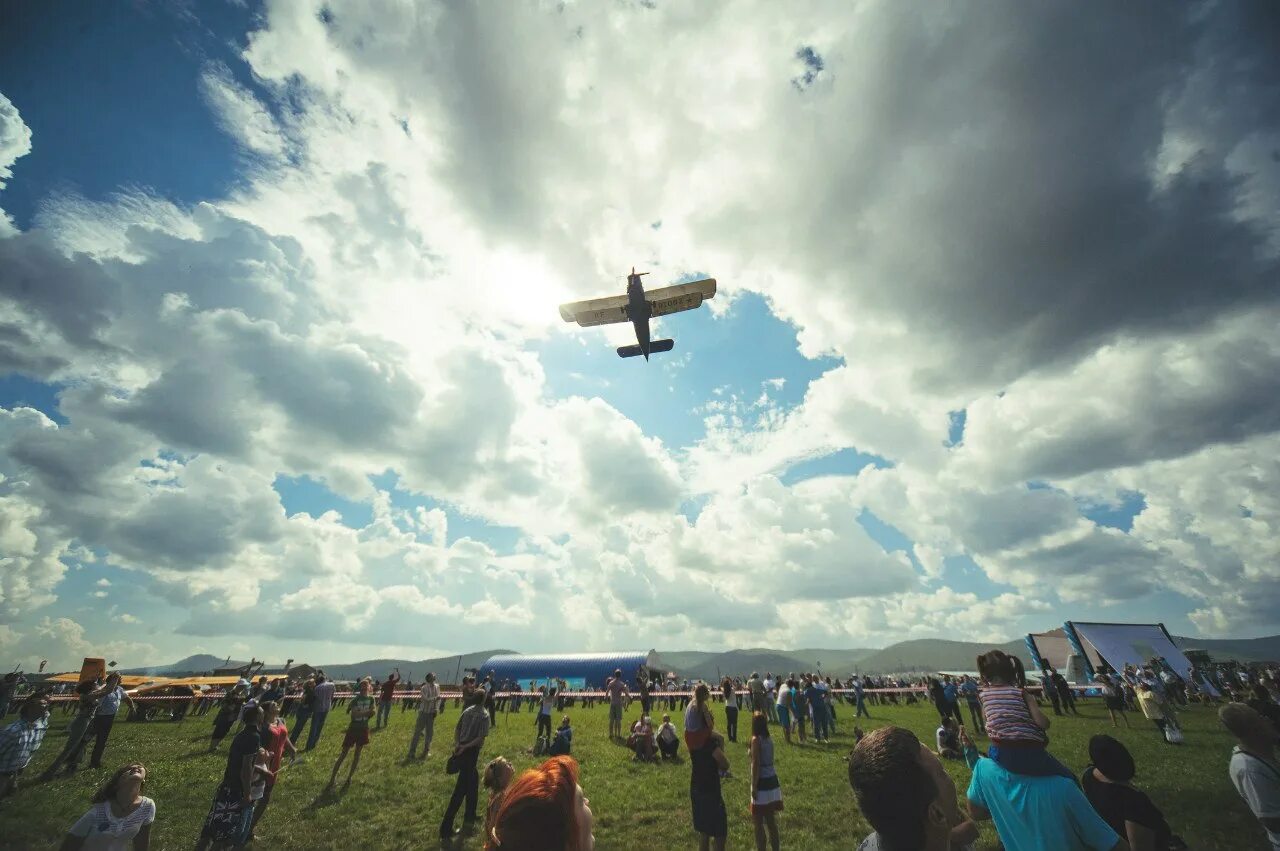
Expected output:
(392, 804)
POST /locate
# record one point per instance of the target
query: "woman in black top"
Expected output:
(1130, 813)
(232, 806)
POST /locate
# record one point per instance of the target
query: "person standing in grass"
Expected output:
(304, 708)
(617, 690)
(20, 740)
(103, 720)
(320, 708)
(223, 824)
(766, 791)
(468, 739)
(86, 706)
(730, 693)
(228, 711)
(360, 710)
(428, 709)
(783, 710)
(275, 739)
(1112, 697)
(708, 764)
(120, 817)
(969, 689)
(860, 707)
(387, 697)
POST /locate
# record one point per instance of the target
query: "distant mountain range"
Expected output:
(926, 654)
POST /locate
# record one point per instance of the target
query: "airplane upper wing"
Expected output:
(680, 297)
(596, 311)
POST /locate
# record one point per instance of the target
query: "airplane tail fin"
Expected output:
(655, 346)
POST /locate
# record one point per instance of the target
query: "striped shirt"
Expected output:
(1005, 712)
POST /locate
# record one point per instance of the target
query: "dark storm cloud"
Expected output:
(998, 187)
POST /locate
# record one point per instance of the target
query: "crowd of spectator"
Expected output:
(900, 785)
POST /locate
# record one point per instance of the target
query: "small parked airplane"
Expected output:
(637, 307)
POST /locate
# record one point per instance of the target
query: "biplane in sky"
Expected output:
(638, 307)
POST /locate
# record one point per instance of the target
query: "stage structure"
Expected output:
(1091, 646)
(578, 670)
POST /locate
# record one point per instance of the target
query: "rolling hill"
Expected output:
(926, 654)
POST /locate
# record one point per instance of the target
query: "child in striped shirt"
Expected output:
(1015, 725)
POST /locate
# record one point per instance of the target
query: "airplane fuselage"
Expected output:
(638, 310)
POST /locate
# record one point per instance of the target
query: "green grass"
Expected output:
(391, 804)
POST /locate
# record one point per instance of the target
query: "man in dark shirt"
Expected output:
(386, 697)
(1129, 812)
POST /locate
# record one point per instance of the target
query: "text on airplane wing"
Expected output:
(596, 311)
(680, 297)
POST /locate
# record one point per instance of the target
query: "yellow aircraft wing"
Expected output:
(596, 311)
(205, 681)
(680, 297)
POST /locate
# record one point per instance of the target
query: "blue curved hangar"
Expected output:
(578, 670)
(638, 307)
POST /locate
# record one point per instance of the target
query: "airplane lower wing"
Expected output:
(596, 311)
(680, 297)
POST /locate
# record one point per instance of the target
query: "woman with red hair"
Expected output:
(544, 810)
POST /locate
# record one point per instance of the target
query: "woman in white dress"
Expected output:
(120, 818)
(766, 791)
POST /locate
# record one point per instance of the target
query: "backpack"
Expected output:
(540, 746)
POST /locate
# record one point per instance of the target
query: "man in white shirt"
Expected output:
(103, 719)
(428, 707)
(1254, 769)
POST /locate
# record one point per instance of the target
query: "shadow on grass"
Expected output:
(329, 796)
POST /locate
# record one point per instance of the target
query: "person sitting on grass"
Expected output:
(361, 710)
(120, 814)
(562, 742)
(948, 737)
(641, 739)
(906, 795)
(668, 739)
(1128, 811)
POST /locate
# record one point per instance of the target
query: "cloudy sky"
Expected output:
(997, 341)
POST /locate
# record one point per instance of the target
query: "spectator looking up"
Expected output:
(1254, 770)
(1128, 811)
(906, 795)
(1014, 723)
(545, 809)
(1038, 812)
(20, 740)
(120, 814)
